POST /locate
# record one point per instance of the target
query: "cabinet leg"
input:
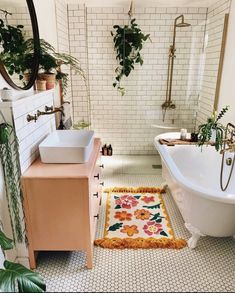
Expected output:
(90, 260)
(32, 259)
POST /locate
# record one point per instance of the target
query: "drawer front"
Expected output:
(95, 191)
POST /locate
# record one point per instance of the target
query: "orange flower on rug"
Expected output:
(141, 215)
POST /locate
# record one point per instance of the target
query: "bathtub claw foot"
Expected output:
(196, 235)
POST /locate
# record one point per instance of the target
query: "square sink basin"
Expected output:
(67, 147)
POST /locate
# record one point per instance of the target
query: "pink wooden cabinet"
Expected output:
(61, 205)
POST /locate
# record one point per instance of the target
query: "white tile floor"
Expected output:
(209, 268)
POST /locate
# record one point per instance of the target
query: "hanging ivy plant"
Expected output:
(9, 157)
(128, 42)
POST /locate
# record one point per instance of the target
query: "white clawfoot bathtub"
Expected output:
(193, 177)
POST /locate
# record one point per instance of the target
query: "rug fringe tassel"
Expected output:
(137, 243)
(136, 190)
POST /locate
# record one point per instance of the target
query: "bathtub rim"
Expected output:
(219, 196)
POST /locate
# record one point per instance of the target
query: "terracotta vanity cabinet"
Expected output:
(61, 205)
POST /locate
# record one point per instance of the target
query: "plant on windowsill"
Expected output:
(128, 42)
(213, 130)
(15, 277)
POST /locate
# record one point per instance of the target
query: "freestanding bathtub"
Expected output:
(193, 177)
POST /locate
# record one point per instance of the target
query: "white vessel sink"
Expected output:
(67, 147)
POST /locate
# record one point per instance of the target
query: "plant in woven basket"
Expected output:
(213, 128)
(15, 277)
(128, 42)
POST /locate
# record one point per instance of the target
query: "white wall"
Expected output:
(46, 15)
(227, 92)
(146, 3)
(211, 58)
(126, 121)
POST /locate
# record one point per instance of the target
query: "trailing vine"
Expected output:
(9, 156)
(206, 130)
(128, 42)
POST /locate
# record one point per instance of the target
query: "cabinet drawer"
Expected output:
(95, 199)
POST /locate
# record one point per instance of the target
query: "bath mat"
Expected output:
(137, 218)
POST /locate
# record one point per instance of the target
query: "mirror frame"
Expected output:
(35, 64)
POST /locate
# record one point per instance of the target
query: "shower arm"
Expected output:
(175, 26)
(169, 101)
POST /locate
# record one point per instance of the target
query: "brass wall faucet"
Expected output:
(49, 111)
(230, 142)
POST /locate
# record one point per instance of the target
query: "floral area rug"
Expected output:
(137, 218)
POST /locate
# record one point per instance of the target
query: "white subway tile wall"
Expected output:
(79, 49)
(63, 40)
(126, 121)
(211, 57)
(20, 15)
(30, 134)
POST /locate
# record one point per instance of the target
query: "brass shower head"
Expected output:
(182, 23)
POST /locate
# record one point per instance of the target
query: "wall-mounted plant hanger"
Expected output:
(128, 42)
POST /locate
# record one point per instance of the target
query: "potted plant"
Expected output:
(128, 42)
(50, 63)
(15, 277)
(16, 54)
(212, 131)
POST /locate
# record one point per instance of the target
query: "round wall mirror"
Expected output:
(19, 43)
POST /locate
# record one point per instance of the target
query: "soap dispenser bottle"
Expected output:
(104, 150)
(110, 150)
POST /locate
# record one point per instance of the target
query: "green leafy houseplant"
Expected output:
(5, 130)
(9, 158)
(16, 52)
(50, 62)
(213, 126)
(128, 42)
(15, 277)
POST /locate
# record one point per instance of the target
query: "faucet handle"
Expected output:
(48, 109)
(32, 118)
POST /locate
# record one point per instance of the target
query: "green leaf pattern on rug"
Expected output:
(118, 207)
(157, 218)
(137, 196)
(115, 227)
(164, 234)
(158, 206)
